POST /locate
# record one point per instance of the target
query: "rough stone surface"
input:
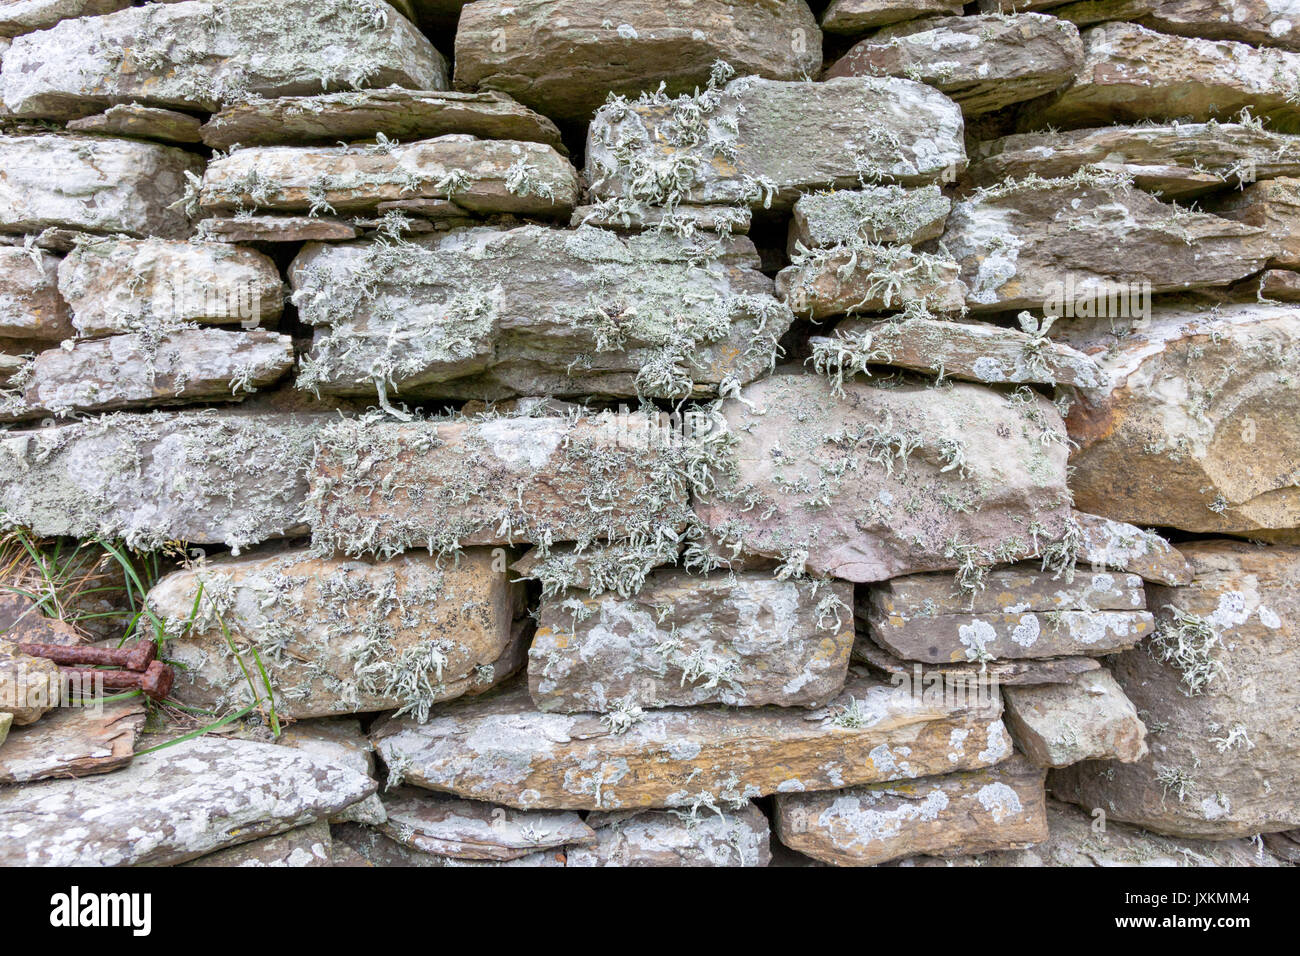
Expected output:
(501, 749)
(1016, 589)
(985, 63)
(339, 740)
(204, 477)
(139, 370)
(872, 214)
(31, 308)
(858, 16)
(171, 806)
(1119, 546)
(277, 229)
(143, 122)
(1279, 284)
(26, 16)
(1223, 759)
(73, 741)
(377, 849)
(1212, 448)
(1030, 245)
(950, 677)
(199, 55)
(849, 128)
(866, 486)
(6, 722)
(399, 114)
(1274, 206)
(999, 808)
(29, 686)
(308, 846)
(1261, 22)
(487, 176)
(488, 313)
(1088, 718)
(1130, 73)
(869, 278)
(683, 219)
(662, 838)
(563, 57)
(120, 285)
(684, 641)
(470, 830)
(1175, 160)
(93, 183)
(337, 636)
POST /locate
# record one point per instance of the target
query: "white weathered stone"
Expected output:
(865, 277)
(31, 308)
(73, 741)
(339, 740)
(26, 16)
(870, 214)
(656, 838)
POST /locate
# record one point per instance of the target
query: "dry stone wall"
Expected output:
(670, 433)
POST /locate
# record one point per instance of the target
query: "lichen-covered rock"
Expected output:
(73, 741)
(140, 370)
(683, 640)
(683, 219)
(487, 176)
(985, 63)
(29, 686)
(487, 313)
(6, 722)
(732, 145)
(976, 352)
(308, 846)
(1274, 206)
(26, 16)
(121, 285)
(1193, 429)
(998, 808)
(1261, 22)
(31, 308)
(871, 214)
(1130, 73)
(404, 115)
(879, 482)
(204, 477)
(563, 57)
(471, 830)
(1115, 545)
(378, 849)
(858, 16)
(93, 183)
(1088, 718)
(496, 480)
(276, 229)
(201, 55)
(143, 122)
(1176, 160)
(1019, 588)
(1067, 244)
(339, 636)
(173, 805)
(1214, 691)
(950, 677)
(654, 838)
(865, 277)
(339, 740)
(500, 748)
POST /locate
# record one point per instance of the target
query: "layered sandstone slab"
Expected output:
(490, 313)
(849, 129)
(1118, 546)
(142, 122)
(93, 183)
(1221, 724)
(683, 641)
(203, 477)
(1021, 587)
(883, 214)
(998, 808)
(26, 16)
(199, 56)
(564, 57)
(662, 838)
(880, 482)
(1213, 447)
(865, 277)
(339, 740)
(859, 16)
(1260, 22)
(31, 308)
(952, 678)
(1274, 206)
(304, 847)
(336, 636)
(73, 741)
(985, 63)
(500, 748)
(1088, 718)
(275, 229)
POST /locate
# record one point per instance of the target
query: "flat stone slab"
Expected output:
(850, 128)
(1274, 206)
(136, 370)
(1176, 160)
(93, 183)
(948, 678)
(1260, 22)
(377, 849)
(859, 16)
(305, 847)
(1221, 727)
(485, 176)
(26, 16)
(124, 285)
(339, 740)
(681, 220)
(172, 806)
(1124, 547)
(1114, 239)
(1213, 448)
(471, 830)
(984, 63)
(199, 55)
(683, 640)
(31, 308)
(880, 482)
(1130, 73)
(142, 122)
(564, 57)
(1088, 718)
(399, 114)
(997, 808)
(338, 636)
(972, 351)
(73, 741)
(1015, 589)
(864, 277)
(872, 214)
(489, 314)
(276, 229)
(500, 748)
(1280, 285)
(203, 477)
(662, 838)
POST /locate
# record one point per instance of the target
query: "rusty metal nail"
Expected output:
(135, 658)
(155, 682)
